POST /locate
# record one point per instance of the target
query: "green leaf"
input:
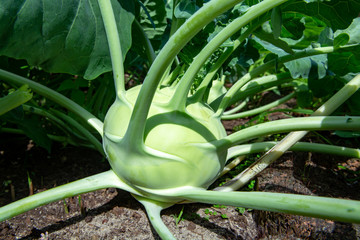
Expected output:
(337, 14)
(292, 26)
(347, 134)
(312, 29)
(185, 9)
(15, 99)
(270, 38)
(154, 16)
(78, 96)
(67, 85)
(31, 126)
(62, 36)
(33, 129)
(276, 21)
(344, 61)
(300, 67)
(326, 37)
(353, 31)
(304, 97)
(341, 40)
(354, 103)
(316, 84)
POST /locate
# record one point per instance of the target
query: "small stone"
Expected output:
(118, 211)
(191, 226)
(136, 215)
(88, 219)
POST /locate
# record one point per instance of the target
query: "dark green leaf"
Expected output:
(347, 134)
(304, 99)
(345, 60)
(154, 16)
(276, 21)
(299, 67)
(67, 85)
(78, 96)
(316, 84)
(185, 9)
(341, 40)
(353, 31)
(270, 38)
(143, 7)
(292, 26)
(33, 129)
(313, 77)
(312, 30)
(354, 103)
(62, 36)
(31, 125)
(337, 14)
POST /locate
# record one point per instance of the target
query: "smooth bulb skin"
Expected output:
(178, 150)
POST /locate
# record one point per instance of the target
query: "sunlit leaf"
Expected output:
(62, 36)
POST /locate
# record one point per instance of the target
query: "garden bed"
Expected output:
(114, 214)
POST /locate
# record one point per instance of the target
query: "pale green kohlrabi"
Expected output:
(178, 150)
(166, 147)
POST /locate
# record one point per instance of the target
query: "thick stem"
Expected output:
(224, 56)
(175, 22)
(237, 108)
(15, 99)
(169, 79)
(62, 139)
(180, 96)
(231, 165)
(92, 183)
(259, 109)
(246, 87)
(251, 148)
(91, 138)
(288, 125)
(227, 100)
(113, 39)
(313, 206)
(58, 122)
(201, 90)
(241, 151)
(279, 149)
(55, 97)
(135, 132)
(101, 96)
(153, 209)
(258, 85)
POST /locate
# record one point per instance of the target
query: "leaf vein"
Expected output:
(73, 22)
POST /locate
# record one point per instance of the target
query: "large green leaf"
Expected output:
(345, 60)
(62, 36)
(299, 67)
(337, 14)
(312, 19)
(353, 31)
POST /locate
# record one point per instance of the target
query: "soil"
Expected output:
(114, 214)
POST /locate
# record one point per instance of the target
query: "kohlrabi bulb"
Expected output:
(178, 147)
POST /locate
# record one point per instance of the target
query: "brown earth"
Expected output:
(114, 214)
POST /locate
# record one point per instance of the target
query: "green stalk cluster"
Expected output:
(167, 146)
